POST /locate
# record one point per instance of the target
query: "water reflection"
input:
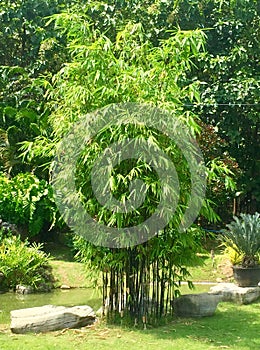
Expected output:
(71, 297)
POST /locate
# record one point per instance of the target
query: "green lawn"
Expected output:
(65, 270)
(220, 270)
(232, 327)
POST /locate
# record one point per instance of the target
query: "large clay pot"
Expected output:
(247, 276)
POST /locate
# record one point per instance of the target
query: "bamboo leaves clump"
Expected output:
(139, 281)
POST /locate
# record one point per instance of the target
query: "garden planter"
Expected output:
(247, 276)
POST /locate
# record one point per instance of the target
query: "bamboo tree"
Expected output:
(139, 281)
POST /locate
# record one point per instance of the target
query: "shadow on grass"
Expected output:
(231, 325)
(59, 251)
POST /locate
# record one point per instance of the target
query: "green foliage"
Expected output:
(129, 68)
(22, 119)
(129, 170)
(227, 74)
(27, 50)
(125, 64)
(223, 170)
(232, 254)
(27, 202)
(118, 21)
(22, 30)
(230, 78)
(5, 233)
(243, 236)
(22, 263)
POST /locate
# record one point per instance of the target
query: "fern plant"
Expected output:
(243, 236)
(24, 263)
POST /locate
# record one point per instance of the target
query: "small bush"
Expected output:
(234, 257)
(27, 202)
(243, 236)
(22, 263)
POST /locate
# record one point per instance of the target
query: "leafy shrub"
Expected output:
(22, 263)
(243, 236)
(234, 257)
(27, 202)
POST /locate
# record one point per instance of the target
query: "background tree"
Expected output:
(27, 49)
(230, 75)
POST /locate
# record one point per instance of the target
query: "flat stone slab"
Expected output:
(231, 292)
(196, 305)
(51, 318)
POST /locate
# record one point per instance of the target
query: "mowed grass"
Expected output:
(212, 271)
(65, 269)
(232, 327)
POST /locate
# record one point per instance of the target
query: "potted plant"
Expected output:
(242, 240)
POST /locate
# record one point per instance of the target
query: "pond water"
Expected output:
(70, 297)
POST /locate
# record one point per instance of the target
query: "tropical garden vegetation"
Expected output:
(62, 60)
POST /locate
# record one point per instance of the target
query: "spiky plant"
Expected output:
(243, 235)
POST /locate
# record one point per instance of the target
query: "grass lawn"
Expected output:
(232, 327)
(219, 271)
(65, 270)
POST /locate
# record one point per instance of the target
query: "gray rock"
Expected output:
(196, 305)
(42, 288)
(64, 286)
(50, 318)
(240, 295)
(20, 289)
